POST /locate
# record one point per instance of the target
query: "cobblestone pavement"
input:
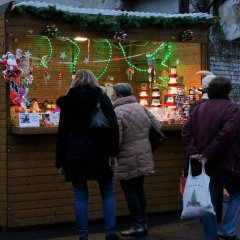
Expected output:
(162, 226)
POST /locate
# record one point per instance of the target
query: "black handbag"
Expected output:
(156, 137)
(98, 119)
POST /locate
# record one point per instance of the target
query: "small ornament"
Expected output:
(63, 55)
(130, 72)
(47, 77)
(120, 36)
(86, 61)
(27, 54)
(187, 36)
(51, 31)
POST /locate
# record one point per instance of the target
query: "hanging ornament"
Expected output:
(120, 36)
(130, 72)
(29, 78)
(60, 79)
(47, 77)
(151, 69)
(63, 55)
(187, 36)
(51, 31)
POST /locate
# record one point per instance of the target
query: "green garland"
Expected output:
(113, 23)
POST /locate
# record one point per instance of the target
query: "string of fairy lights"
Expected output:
(43, 61)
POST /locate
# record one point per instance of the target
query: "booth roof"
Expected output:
(106, 12)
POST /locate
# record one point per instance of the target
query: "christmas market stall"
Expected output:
(42, 46)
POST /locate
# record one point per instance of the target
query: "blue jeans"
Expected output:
(230, 217)
(81, 206)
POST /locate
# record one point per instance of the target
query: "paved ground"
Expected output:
(164, 226)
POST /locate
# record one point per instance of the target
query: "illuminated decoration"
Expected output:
(120, 36)
(51, 31)
(46, 59)
(177, 61)
(80, 39)
(63, 55)
(168, 48)
(155, 51)
(27, 54)
(187, 36)
(128, 62)
(168, 54)
(172, 92)
(109, 59)
(164, 83)
(75, 57)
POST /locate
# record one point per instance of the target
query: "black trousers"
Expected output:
(135, 196)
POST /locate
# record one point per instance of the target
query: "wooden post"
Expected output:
(184, 6)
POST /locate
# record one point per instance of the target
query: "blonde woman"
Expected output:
(83, 154)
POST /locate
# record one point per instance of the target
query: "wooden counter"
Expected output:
(37, 194)
(54, 130)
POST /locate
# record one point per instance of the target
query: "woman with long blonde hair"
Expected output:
(83, 153)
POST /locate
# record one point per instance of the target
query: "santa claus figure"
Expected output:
(12, 72)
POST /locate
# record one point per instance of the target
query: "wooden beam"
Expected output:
(184, 6)
(210, 5)
(6, 7)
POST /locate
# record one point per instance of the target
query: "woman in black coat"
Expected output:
(84, 153)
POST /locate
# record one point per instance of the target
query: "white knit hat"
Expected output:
(209, 76)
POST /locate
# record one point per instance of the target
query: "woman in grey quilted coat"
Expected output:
(135, 158)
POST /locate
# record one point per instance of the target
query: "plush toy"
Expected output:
(13, 97)
(16, 98)
(35, 107)
(23, 95)
(12, 72)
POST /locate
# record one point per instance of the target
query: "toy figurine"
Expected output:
(12, 72)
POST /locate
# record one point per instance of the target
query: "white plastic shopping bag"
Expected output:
(196, 196)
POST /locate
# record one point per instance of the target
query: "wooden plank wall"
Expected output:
(3, 134)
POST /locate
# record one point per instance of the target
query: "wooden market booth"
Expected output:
(31, 190)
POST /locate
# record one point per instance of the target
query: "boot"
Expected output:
(113, 237)
(135, 232)
(228, 238)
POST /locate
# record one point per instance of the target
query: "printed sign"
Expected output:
(29, 120)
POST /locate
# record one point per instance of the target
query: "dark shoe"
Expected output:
(135, 232)
(228, 238)
(113, 237)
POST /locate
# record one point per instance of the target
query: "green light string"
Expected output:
(159, 48)
(109, 59)
(76, 56)
(45, 61)
(128, 62)
(167, 56)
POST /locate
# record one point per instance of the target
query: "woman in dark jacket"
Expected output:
(83, 153)
(212, 134)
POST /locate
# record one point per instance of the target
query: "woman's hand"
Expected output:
(61, 170)
(113, 163)
(199, 158)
